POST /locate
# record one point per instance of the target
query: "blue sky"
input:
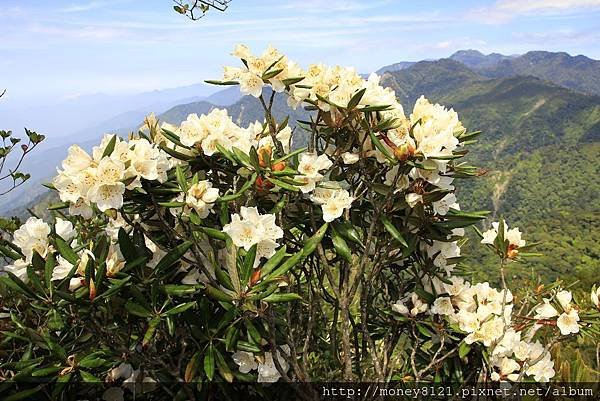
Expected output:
(64, 48)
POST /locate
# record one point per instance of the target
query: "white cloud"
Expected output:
(505, 10)
(520, 6)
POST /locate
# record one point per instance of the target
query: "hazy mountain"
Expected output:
(395, 67)
(575, 72)
(43, 162)
(477, 60)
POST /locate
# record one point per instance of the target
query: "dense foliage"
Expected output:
(209, 252)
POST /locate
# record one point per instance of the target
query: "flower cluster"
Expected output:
(513, 236)
(267, 370)
(101, 179)
(567, 321)
(251, 228)
(485, 314)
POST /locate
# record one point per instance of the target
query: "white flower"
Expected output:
(467, 321)
(77, 160)
(418, 306)
(442, 306)
(251, 84)
(32, 237)
(251, 228)
(350, 158)
(487, 333)
(545, 310)
(508, 367)
(400, 307)
(81, 208)
(543, 370)
(19, 269)
(513, 235)
(64, 229)
(107, 196)
(567, 322)
(191, 130)
(245, 360)
(114, 261)
(75, 283)
(123, 371)
(333, 200)
(201, 197)
(309, 166)
(412, 199)
(267, 371)
(457, 286)
(62, 269)
(564, 299)
(489, 236)
(510, 340)
(442, 206)
(594, 296)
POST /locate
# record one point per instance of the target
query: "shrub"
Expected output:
(207, 253)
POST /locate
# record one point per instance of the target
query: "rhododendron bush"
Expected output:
(209, 252)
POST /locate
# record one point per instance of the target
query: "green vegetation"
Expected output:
(540, 147)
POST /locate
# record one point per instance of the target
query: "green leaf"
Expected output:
(209, 362)
(88, 377)
(180, 308)
(9, 253)
(224, 369)
(340, 245)
(214, 233)
(287, 297)
(66, 251)
(21, 395)
(15, 283)
(356, 99)
(137, 310)
(217, 82)
(283, 184)
(173, 256)
(273, 261)
(381, 148)
(149, 335)
(463, 350)
(126, 246)
(238, 194)
(248, 264)
(311, 244)
(286, 266)
(181, 180)
(218, 294)
(393, 231)
(48, 269)
(110, 147)
(92, 361)
(180, 289)
(291, 81)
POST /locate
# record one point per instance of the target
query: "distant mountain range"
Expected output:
(579, 73)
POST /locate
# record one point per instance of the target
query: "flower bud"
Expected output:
(263, 184)
(264, 155)
(512, 251)
(24, 147)
(404, 151)
(255, 277)
(279, 166)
